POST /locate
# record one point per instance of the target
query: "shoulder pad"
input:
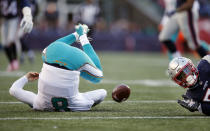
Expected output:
(207, 58)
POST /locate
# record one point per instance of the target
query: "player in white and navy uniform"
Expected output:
(184, 17)
(184, 73)
(25, 47)
(59, 78)
(9, 11)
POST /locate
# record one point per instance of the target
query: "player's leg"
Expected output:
(97, 95)
(165, 35)
(84, 101)
(75, 59)
(88, 49)
(12, 30)
(60, 50)
(173, 39)
(91, 69)
(188, 22)
(4, 41)
(19, 93)
(25, 49)
(72, 58)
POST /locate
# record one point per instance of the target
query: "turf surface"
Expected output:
(151, 106)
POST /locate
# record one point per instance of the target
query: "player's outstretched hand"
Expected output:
(32, 76)
(26, 23)
(189, 103)
(81, 29)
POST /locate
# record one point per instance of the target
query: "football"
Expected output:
(121, 93)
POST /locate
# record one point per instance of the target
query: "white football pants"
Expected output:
(187, 22)
(9, 31)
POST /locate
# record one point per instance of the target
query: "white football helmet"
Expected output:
(183, 72)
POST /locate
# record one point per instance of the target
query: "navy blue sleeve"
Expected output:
(205, 106)
(204, 66)
(24, 3)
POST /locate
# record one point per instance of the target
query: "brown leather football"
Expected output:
(121, 93)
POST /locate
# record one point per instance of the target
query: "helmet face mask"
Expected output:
(183, 72)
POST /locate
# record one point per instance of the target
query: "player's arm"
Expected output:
(189, 103)
(69, 39)
(204, 64)
(207, 58)
(26, 23)
(17, 91)
(30, 76)
(186, 6)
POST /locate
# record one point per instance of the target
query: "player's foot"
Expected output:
(22, 58)
(31, 56)
(15, 65)
(9, 67)
(176, 54)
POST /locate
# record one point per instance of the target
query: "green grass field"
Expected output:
(151, 105)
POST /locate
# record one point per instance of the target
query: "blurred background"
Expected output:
(116, 25)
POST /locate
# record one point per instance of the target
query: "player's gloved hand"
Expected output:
(81, 29)
(189, 103)
(26, 23)
(169, 14)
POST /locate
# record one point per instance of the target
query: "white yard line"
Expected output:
(105, 118)
(145, 101)
(136, 101)
(12, 74)
(10, 102)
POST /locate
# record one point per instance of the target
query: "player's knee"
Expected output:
(103, 93)
(160, 37)
(163, 38)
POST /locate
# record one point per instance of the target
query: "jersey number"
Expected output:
(60, 104)
(207, 96)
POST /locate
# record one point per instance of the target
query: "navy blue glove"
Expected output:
(189, 103)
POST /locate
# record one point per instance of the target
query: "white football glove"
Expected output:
(86, 29)
(26, 23)
(81, 29)
(81, 34)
